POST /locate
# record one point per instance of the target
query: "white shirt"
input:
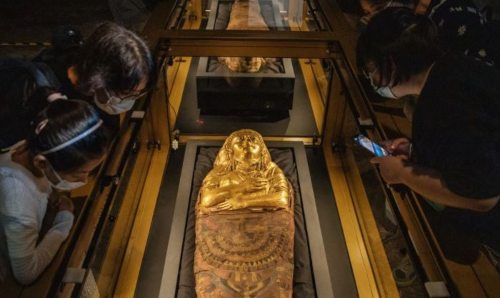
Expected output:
(23, 203)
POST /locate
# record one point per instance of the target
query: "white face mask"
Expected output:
(62, 184)
(115, 105)
(385, 92)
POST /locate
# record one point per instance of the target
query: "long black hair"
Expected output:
(399, 43)
(64, 120)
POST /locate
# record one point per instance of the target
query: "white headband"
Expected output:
(75, 139)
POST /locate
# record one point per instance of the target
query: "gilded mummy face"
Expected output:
(244, 64)
(246, 149)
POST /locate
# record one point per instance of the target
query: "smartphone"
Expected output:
(371, 146)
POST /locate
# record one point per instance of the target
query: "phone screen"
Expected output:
(373, 147)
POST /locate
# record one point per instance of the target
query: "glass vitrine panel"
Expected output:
(275, 96)
(262, 15)
(217, 95)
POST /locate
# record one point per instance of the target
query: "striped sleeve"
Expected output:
(28, 256)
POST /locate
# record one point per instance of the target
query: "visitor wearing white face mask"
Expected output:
(114, 66)
(454, 161)
(384, 91)
(114, 104)
(68, 141)
(111, 70)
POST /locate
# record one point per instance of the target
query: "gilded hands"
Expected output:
(240, 195)
(233, 203)
(257, 185)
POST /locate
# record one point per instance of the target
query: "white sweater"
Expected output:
(23, 203)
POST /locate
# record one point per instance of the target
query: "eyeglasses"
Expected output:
(134, 96)
(104, 96)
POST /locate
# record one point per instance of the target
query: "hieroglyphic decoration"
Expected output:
(244, 224)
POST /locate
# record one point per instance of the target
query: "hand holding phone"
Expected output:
(400, 146)
(371, 146)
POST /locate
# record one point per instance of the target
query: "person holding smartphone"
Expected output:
(455, 153)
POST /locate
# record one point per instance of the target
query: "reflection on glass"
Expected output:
(255, 14)
(245, 15)
(224, 92)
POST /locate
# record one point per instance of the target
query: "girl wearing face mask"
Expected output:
(111, 70)
(68, 141)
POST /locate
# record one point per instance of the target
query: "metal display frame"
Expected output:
(368, 261)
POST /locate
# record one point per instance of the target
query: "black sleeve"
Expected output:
(472, 168)
(20, 102)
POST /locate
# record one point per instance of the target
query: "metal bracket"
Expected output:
(436, 289)
(74, 275)
(108, 180)
(338, 147)
(135, 146)
(316, 140)
(154, 145)
(366, 123)
(333, 48)
(137, 115)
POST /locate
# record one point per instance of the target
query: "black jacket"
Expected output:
(24, 88)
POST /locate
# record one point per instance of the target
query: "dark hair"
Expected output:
(113, 58)
(61, 121)
(349, 6)
(397, 40)
(381, 4)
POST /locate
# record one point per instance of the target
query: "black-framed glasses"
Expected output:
(134, 96)
(104, 96)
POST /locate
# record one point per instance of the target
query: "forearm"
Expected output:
(28, 259)
(277, 200)
(429, 184)
(211, 197)
(27, 269)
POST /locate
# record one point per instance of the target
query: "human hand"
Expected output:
(65, 203)
(390, 167)
(400, 146)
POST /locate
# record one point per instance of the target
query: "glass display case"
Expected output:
(281, 68)
(285, 69)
